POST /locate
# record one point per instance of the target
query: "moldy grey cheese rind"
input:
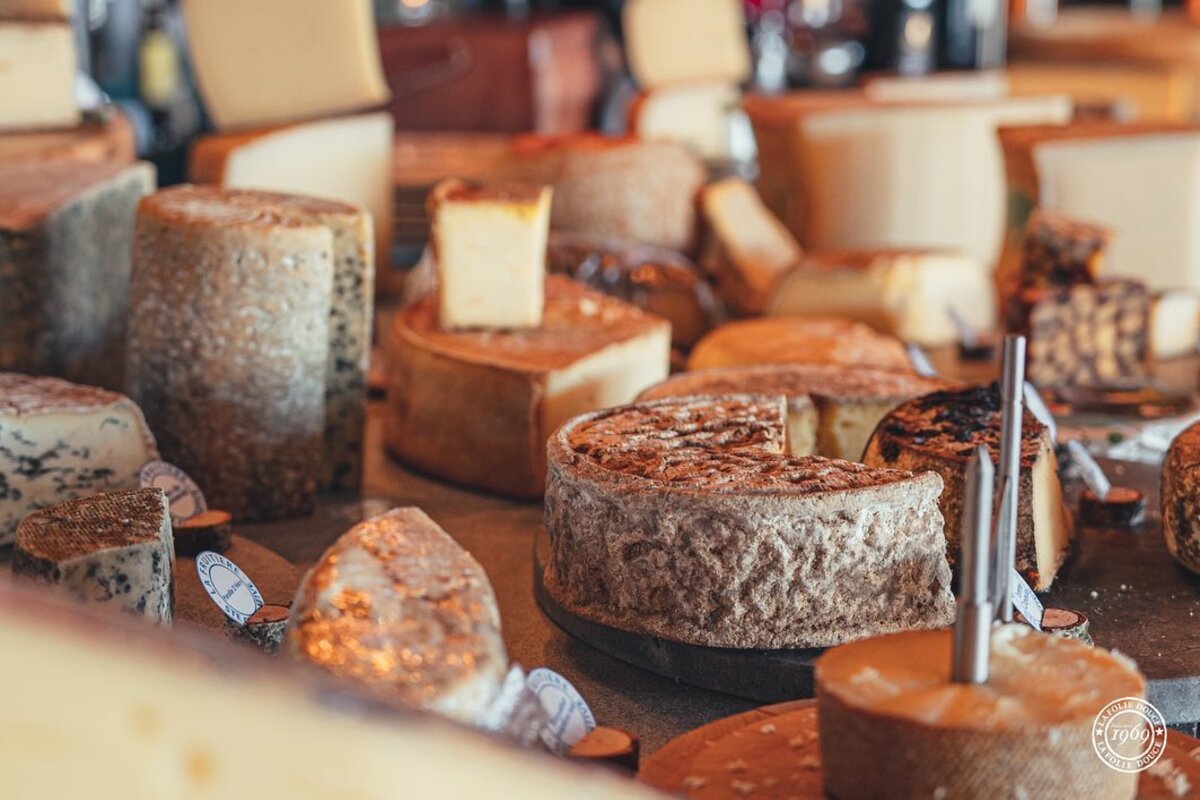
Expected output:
(940, 431)
(229, 342)
(684, 519)
(60, 440)
(110, 549)
(65, 238)
(399, 608)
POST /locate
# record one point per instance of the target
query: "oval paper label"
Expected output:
(570, 719)
(228, 586)
(184, 495)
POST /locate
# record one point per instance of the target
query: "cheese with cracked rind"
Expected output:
(685, 519)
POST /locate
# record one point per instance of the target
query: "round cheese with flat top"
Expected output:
(685, 519)
(799, 340)
(894, 725)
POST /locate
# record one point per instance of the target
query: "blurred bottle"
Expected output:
(973, 34)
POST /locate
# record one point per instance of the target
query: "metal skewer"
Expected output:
(972, 627)
(1004, 546)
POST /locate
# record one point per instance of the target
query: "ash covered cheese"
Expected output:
(111, 549)
(229, 345)
(65, 237)
(685, 519)
(1027, 732)
(60, 440)
(941, 431)
(399, 608)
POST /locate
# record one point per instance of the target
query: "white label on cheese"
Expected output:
(184, 495)
(1089, 470)
(1037, 406)
(570, 718)
(233, 592)
(920, 361)
(1025, 601)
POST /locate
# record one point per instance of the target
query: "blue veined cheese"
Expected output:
(61, 440)
(113, 549)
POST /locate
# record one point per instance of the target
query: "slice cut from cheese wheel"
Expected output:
(38, 78)
(670, 42)
(832, 411)
(685, 519)
(500, 394)
(905, 293)
(799, 340)
(342, 158)
(199, 717)
(942, 430)
(276, 61)
(396, 607)
(83, 441)
(1026, 732)
(112, 549)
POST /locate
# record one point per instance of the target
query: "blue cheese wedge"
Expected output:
(398, 608)
(60, 440)
(112, 549)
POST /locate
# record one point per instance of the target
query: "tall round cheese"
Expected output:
(477, 406)
(799, 340)
(684, 519)
(941, 431)
(832, 411)
(1181, 498)
(228, 341)
(894, 725)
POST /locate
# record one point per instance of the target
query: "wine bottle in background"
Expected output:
(903, 36)
(972, 34)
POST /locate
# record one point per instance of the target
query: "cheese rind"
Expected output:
(37, 9)
(60, 441)
(111, 549)
(1181, 498)
(343, 158)
(684, 519)
(680, 41)
(229, 344)
(111, 139)
(1027, 732)
(37, 75)
(277, 61)
(490, 245)
(907, 294)
(398, 608)
(476, 407)
(940, 431)
(749, 249)
(65, 240)
(799, 340)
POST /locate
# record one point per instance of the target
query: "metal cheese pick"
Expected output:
(1004, 542)
(972, 627)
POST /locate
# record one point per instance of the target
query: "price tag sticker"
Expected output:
(1091, 472)
(183, 494)
(920, 361)
(233, 592)
(570, 718)
(1041, 412)
(1025, 601)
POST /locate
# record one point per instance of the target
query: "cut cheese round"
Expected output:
(1181, 498)
(832, 411)
(229, 341)
(476, 407)
(799, 340)
(264, 628)
(941, 431)
(684, 519)
(894, 725)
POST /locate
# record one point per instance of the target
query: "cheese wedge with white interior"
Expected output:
(490, 246)
(704, 117)
(679, 41)
(907, 294)
(37, 75)
(342, 158)
(274, 61)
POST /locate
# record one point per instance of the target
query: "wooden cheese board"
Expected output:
(774, 751)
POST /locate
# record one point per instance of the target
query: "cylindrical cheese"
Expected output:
(228, 341)
(894, 725)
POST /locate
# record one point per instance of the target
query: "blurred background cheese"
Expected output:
(341, 158)
(110, 139)
(704, 117)
(677, 41)
(274, 61)
(799, 340)
(37, 74)
(38, 9)
(907, 294)
(1174, 323)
